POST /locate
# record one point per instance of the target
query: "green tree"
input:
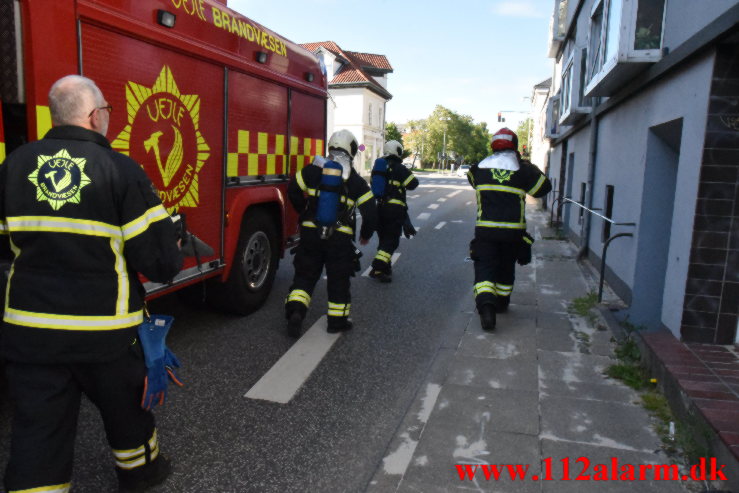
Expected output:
(523, 130)
(466, 141)
(393, 133)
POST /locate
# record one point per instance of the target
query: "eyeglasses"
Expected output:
(109, 108)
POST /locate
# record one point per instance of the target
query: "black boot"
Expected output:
(143, 477)
(338, 324)
(381, 276)
(501, 304)
(294, 324)
(487, 317)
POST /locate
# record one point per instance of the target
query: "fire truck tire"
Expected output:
(255, 265)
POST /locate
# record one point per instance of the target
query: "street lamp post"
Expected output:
(443, 151)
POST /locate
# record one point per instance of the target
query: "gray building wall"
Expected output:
(684, 18)
(650, 148)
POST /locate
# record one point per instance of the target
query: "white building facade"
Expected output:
(358, 97)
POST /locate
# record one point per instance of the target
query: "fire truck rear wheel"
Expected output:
(255, 265)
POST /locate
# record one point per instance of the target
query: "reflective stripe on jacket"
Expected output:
(501, 198)
(81, 221)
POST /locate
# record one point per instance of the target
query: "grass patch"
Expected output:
(582, 306)
(631, 375)
(677, 438)
(585, 307)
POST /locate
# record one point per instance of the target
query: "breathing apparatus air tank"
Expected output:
(329, 194)
(379, 177)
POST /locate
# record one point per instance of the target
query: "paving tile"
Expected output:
(714, 386)
(611, 424)
(710, 394)
(504, 345)
(443, 448)
(492, 373)
(469, 408)
(572, 367)
(609, 390)
(729, 405)
(731, 438)
(556, 340)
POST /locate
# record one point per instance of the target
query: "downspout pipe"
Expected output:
(593, 160)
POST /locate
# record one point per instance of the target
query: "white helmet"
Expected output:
(392, 148)
(344, 140)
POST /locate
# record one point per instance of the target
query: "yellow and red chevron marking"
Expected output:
(257, 153)
(302, 152)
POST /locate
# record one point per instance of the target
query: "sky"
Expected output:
(475, 57)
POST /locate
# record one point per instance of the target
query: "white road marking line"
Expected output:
(432, 191)
(423, 216)
(457, 221)
(413, 196)
(284, 379)
(440, 225)
(441, 199)
(433, 206)
(450, 195)
(366, 273)
(468, 203)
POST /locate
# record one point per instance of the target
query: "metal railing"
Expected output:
(564, 200)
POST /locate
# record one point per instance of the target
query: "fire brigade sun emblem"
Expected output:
(59, 179)
(163, 134)
(501, 175)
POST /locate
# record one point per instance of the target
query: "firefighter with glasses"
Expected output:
(82, 221)
(502, 182)
(390, 180)
(326, 194)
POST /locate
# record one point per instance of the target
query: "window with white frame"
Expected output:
(564, 102)
(574, 105)
(625, 36)
(369, 115)
(552, 124)
(594, 40)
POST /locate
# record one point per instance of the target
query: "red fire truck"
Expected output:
(219, 111)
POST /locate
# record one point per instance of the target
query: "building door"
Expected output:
(658, 203)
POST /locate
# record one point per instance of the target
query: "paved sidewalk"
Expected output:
(531, 390)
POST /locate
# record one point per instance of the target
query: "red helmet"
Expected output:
(503, 139)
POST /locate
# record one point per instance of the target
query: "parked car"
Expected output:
(463, 169)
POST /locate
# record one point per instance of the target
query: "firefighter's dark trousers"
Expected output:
(495, 269)
(391, 218)
(46, 403)
(335, 253)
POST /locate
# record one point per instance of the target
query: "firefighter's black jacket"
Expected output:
(399, 179)
(303, 191)
(81, 220)
(501, 199)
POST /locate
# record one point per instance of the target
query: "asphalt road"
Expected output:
(332, 435)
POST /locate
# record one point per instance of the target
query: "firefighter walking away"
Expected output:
(326, 194)
(502, 182)
(82, 221)
(390, 180)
